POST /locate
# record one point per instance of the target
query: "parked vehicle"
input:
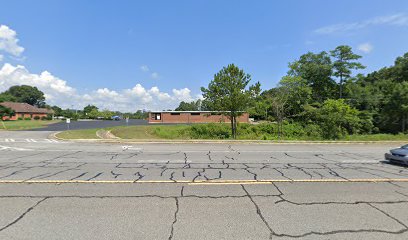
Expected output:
(116, 118)
(398, 155)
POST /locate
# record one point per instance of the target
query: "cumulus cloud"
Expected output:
(58, 92)
(400, 19)
(365, 47)
(183, 94)
(9, 41)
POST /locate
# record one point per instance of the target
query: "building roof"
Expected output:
(24, 108)
(192, 111)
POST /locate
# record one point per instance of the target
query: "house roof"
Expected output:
(25, 108)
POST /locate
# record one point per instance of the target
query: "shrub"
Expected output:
(44, 118)
(20, 118)
(27, 118)
(36, 117)
(211, 130)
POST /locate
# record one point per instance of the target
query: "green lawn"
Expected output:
(78, 134)
(377, 137)
(211, 131)
(25, 124)
(152, 132)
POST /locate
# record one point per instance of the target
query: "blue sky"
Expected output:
(128, 55)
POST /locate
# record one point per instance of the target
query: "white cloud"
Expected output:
(58, 92)
(400, 19)
(9, 41)
(144, 68)
(365, 47)
(155, 75)
(18, 75)
(183, 94)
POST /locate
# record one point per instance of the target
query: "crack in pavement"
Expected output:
(259, 213)
(23, 214)
(175, 219)
(139, 175)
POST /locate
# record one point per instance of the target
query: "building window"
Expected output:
(156, 116)
(174, 113)
(195, 114)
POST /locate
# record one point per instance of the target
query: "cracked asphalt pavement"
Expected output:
(68, 190)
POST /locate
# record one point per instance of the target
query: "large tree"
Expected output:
(297, 94)
(88, 109)
(344, 63)
(230, 93)
(27, 94)
(316, 70)
(5, 97)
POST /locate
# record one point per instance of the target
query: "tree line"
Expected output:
(34, 96)
(321, 91)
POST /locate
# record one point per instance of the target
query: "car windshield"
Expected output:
(405, 146)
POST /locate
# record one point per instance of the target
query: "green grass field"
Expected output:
(78, 134)
(213, 131)
(152, 132)
(24, 124)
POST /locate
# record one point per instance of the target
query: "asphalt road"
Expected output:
(76, 125)
(64, 190)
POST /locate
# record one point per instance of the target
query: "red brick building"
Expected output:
(193, 117)
(24, 110)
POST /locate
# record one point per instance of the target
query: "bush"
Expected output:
(20, 118)
(27, 118)
(211, 130)
(48, 117)
(36, 117)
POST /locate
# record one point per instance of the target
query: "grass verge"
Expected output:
(25, 124)
(78, 134)
(217, 132)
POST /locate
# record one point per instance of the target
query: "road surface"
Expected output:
(64, 190)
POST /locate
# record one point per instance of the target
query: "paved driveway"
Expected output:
(76, 125)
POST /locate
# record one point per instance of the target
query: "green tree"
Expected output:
(336, 118)
(57, 110)
(94, 113)
(27, 94)
(229, 93)
(316, 70)
(401, 68)
(189, 106)
(89, 109)
(344, 63)
(279, 100)
(4, 111)
(297, 94)
(396, 108)
(5, 97)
